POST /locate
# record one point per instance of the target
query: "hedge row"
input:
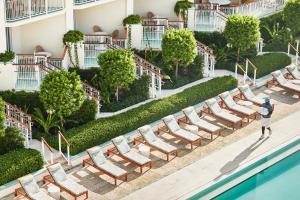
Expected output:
(102, 130)
(18, 163)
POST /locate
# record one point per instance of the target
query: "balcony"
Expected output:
(81, 2)
(16, 10)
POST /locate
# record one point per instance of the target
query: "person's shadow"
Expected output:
(232, 165)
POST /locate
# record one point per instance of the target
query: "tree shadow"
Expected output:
(235, 163)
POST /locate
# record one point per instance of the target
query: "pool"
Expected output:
(278, 181)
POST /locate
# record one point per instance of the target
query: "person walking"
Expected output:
(266, 113)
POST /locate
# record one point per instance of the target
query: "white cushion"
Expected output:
(294, 71)
(227, 99)
(191, 114)
(73, 186)
(171, 123)
(202, 124)
(187, 135)
(136, 157)
(247, 92)
(213, 105)
(113, 169)
(148, 133)
(29, 185)
(243, 109)
(121, 144)
(279, 77)
(41, 196)
(229, 117)
(292, 86)
(97, 155)
(57, 172)
(162, 145)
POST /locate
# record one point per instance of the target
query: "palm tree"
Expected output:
(181, 9)
(46, 123)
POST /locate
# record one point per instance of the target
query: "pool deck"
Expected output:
(198, 168)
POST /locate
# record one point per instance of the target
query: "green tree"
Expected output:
(11, 140)
(51, 121)
(2, 117)
(117, 69)
(182, 8)
(71, 38)
(291, 13)
(242, 32)
(179, 47)
(62, 93)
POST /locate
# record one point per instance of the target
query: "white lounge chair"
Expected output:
(193, 118)
(59, 178)
(293, 71)
(155, 142)
(284, 84)
(231, 105)
(176, 131)
(249, 96)
(124, 151)
(103, 165)
(225, 117)
(30, 189)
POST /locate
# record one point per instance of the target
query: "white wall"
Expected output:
(108, 16)
(8, 76)
(163, 8)
(2, 29)
(48, 33)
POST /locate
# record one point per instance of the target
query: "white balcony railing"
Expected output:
(81, 2)
(16, 10)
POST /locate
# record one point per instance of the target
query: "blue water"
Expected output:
(278, 182)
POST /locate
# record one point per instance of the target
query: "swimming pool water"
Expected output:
(281, 181)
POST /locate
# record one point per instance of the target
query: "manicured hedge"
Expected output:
(265, 64)
(102, 130)
(18, 163)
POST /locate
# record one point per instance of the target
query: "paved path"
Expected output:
(206, 170)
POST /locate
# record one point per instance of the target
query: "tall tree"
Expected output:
(291, 14)
(179, 47)
(70, 39)
(242, 32)
(118, 68)
(62, 93)
(182, 9)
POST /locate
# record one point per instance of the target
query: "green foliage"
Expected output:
(71, 38)
(291, 14)
(62, 93)
(2, 117)
(85, 114)
(179, 47)
(242, 32)
(102, 130)
(18, 163)
(11, 140)
(117, 68)
(214, 40)
(132, 19)
(27, 101)
(47, 123)
(265, 64)
(181, 8)
(7, 56)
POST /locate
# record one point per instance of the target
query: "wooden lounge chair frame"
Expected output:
(186, 120)
(21, 191)
(275, 83)
(230, 124)
(114, 151)
(89, 162)
(240, 114)
(143, 141)
(50, 179)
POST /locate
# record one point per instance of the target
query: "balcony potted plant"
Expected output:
(128, 22)
(70, 39)
(6, 57)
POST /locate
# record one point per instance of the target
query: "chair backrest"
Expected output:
(121, 144)
(97, 155)
(171, 123)
(57, 172)
(97, 28)
(279, 77)
(191, 114)
(148, 133)
(246, 91)
(227, 98)
(29, 185)
(213, 106)
(39, 48)
(293, 70)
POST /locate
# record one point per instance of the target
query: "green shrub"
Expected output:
(103, 130)
(132, 19)
(195, 70)
(214, 40)
(18, 163)
(85, 114)
(11, 140)
(7, 56)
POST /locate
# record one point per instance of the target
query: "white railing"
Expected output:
(67, 156)
(152, 36)
(19, 119)
(155, 21)
(176, 24)
(23, 9)
(45, 144)
(208, 58)
(245, 71)
(97, 39)
(81, 2)
(295, 49)
(122, 42)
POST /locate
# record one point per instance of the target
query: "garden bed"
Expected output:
(103, 130)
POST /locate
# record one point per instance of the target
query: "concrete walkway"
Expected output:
(206, 171)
